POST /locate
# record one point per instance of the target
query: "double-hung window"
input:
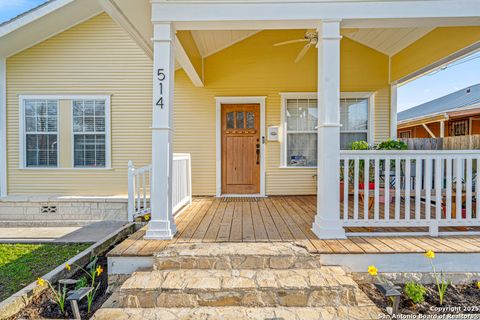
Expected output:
(40, 132)
(300, 125)
(89, 133)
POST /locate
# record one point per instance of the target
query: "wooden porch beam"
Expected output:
(189, 58)
(428, 130)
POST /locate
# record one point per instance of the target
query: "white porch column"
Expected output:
(393, 111)
(327, 224)
(162, 225)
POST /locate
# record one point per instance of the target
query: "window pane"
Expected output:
(354, 114)
(346, 139)
(52, 108)
(99, 124)
(250, 120)
(77, 108)
(41, 150)
(77, 124)
(89, 150)
(88, 124)
(240, 118)
(52, 124)
(30, 107)
(41, 108)
(30, 124)
(302, 149)
(88, 107)
(302, 115)
(100, 108)
(312, 115)
(292, 114)
(230, 120)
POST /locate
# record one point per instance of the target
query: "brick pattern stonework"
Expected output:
(52, 211)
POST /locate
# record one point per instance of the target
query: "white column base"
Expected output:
(160, 230)
(327, 229)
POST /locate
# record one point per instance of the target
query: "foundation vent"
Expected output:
(48, 209)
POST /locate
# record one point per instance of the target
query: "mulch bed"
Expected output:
(459, 299)
(44, 307)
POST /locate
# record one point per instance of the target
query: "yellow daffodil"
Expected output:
(372, 270)
(147, 217)
(41, 282)
(430, 254)
(68, 267)
(478, 285)
(99, 270)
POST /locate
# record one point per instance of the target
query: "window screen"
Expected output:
(89, 133)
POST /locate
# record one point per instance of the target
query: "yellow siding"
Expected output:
(434, 46)
(255, 68)
(95, 57)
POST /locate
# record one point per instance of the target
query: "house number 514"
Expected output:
(161, 77)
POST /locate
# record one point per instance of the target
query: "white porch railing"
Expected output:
(139, 186)
(430, 189)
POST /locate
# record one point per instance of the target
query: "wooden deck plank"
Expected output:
(282, 227)
(212, 231)
(226, 224)
(237, 225)
(188, 232)
(205, 222)
(248, 232)
(272, 231)
(258, 223)
(120, 249)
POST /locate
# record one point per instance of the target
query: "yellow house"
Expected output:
(89, 86)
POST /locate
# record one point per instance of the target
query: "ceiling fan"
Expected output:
(310, 39)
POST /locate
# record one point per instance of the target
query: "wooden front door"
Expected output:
(240, 148)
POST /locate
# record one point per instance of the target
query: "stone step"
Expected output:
(227, 256)
(328, 286)
(241, 313)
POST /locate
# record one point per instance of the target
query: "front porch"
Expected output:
(284, 219)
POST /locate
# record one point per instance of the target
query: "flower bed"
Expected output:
(459, 299)
(412, 298)
(46, 304)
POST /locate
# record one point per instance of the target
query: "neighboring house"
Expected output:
(456, 114)
(88, 86)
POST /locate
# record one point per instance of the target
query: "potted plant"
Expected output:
(363, 145)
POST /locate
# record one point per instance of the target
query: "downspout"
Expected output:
(3, 127)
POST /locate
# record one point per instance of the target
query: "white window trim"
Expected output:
(218, 137)
(106, 97)
(108, 164)
(313, 95)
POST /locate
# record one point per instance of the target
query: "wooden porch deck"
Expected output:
(286, 218)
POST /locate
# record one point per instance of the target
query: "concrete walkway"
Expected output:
(86, 234)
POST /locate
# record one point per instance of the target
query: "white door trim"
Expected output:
(218, 138)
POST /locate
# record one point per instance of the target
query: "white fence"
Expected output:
(430, 189)
(139, 186)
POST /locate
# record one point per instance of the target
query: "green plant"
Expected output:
(415, 291)
(441, 282)
(391, 145)
(359, 145)
(82, 282)
(94, 271)
(59, 295)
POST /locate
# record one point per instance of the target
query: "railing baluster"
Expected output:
(144, 190)
(345, 188)
(448, 197)
(438, 188)
(458, 190)
(355, 189)
(386, 192)
(428, 188)
(377, 190)
(397, 188)
(477, 190)
(366, 188)
(418, 187)
(407, 188)
(468, 186)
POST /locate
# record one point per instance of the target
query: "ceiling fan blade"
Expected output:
(302, 53)
(290, 41)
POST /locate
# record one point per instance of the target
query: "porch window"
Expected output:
(300, 125)
(89, 133)
(41, 132)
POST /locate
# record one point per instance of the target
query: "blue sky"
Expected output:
(457, 76)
